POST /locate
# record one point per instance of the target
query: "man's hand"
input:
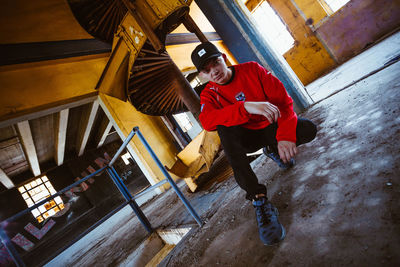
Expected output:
(287, 150)
(270, 111)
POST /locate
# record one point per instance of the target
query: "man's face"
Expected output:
(215, 70)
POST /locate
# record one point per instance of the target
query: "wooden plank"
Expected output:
(9, 142)
(103, 132)
(60, 126)
(5, 180)
(28, 146)
(86, 127)
(31, 52)
(16, 166)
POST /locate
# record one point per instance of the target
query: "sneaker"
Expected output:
(275, 157)
(270, 229)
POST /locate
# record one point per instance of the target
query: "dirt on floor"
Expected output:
(339, 204)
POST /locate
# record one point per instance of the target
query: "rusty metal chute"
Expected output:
(139, 68)
(152, 86)
(98, 17)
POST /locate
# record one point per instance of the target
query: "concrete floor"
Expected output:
(363, 64)
(340, 203)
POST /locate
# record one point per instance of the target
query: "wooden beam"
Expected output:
(35, 113)
(86, 127)
(103, 131)
(40, 51)
(28, 146)
(187, 38)
(60, 127)
(5, 180)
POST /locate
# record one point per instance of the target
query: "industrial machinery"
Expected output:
(139, 69)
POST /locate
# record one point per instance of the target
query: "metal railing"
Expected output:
(130, 200)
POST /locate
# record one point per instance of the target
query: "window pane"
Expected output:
(58, 200)
(38, 192)
(272, 28)
(29, 202)
(42, 209)
(51, 212)
(35, 212)
(335, 5)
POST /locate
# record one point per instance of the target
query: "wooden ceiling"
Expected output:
(29, 148)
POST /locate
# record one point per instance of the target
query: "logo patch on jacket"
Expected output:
(240, 97)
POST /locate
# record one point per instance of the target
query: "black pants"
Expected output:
(237, 141)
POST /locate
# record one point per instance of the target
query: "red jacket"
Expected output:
(224, 104)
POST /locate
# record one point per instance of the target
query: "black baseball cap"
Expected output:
(203, 52)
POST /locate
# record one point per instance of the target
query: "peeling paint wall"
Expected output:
(359, 24)
(308, 57)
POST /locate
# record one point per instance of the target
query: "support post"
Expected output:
(192, 27)
(127, 195)
(10, 248)
(186, 92)
(169, 178)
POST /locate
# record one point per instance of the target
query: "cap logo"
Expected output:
(201, 52)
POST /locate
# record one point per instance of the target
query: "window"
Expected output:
(37, 190)
(125, 158)
(335, 5)
(183, 121)
(272, 28)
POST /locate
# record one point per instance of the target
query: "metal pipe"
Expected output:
(169, 178)
(124, 144)
(11, 249)
(62, 191)
(191, 26)
(186, 92)
(154, 186)
(124, 191)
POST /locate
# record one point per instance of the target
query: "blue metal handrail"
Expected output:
(130, 200)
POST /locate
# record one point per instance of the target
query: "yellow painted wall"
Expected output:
(312, 9)
(198, 16)
(30, 87)
(308, 58)
(152, 128)
(24, 21)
